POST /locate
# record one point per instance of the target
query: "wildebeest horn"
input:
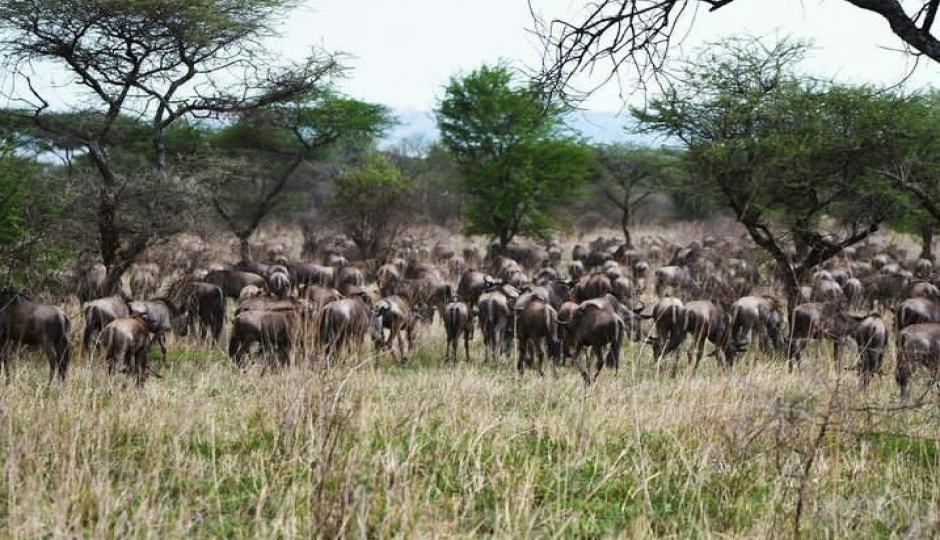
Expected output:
(639, 309)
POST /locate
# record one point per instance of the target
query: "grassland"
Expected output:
(426, 450)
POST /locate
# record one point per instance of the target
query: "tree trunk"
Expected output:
(926, 239)
(159, 147)
(244, 247)
(625, 225)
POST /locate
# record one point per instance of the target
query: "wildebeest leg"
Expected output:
(598, 361)
(520, 361)
(88, 339)
(540, 356)
(5, 360)
(401, 344)
(467, 336)
(161, 341)
(141, 359)
(795, 353)
(582, 368)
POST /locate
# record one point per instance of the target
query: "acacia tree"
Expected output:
(913, 166)
(636, 35)
(519, 164)
(259, 157)
(369, 203)
(782, 151)
(628, 175)
(157, 60)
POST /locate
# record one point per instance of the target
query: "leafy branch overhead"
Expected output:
(634, 37)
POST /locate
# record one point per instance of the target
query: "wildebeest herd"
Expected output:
(706, 292)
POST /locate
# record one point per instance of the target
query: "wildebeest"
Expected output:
(205, 304)
(128, 340)
(670, 327)
(672, 278)
(425, 295)
(817, 320)
(918, 345)
(164, 316)
(98, 313)
(393, 313)
(705, 320)
(596, 324)
(274, 331)
(343, 324)
(496, 320)
(536, 332)
(279, 284)
(472, 284)
(759, 316)
(307, 274)
(916, 310)
(233, 281)
(871, 336)
(458, 321)
(26, 322)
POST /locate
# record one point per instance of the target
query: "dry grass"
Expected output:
(461, 451)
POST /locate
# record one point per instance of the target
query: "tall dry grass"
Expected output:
(378, 450)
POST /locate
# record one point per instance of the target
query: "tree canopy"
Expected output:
(156, 63)
(519, 162)
(786, 153)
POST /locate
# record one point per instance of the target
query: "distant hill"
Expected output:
(597, 126)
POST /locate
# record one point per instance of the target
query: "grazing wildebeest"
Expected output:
(705, 320)
(165, 317)
(128, 340)
(393, 313)
(320, 296)
(759, 316)
(458, 320)
(307, 274)
(345, 278)
(918, 345)
(537, 325)
(205, 304)
(674, 278)
(596, 324)
(496, 320)
(233, 281)
(916, 310)
(871, 336)
(279, 284)
(670, 330)
(343, 323)
(98, 313)
(425, 295)
(25, 322)
(594, 285)
(274, 331)
(817, 320)
(472, 284)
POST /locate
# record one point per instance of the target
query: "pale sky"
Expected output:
(404, 51)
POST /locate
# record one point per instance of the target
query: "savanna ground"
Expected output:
(375, 449)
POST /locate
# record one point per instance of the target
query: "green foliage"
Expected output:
(782, 150)
(368, 200)
(519, 164)
(259, 154)
(28, 205)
